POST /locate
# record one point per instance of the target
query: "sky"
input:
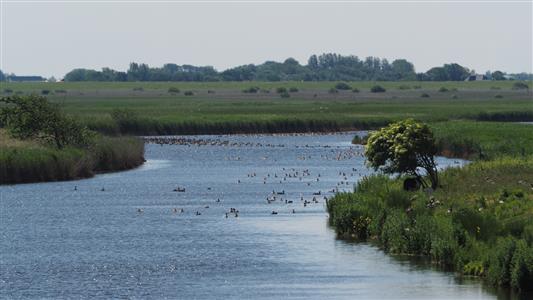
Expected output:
(50, 38)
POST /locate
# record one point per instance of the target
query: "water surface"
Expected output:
(123, 235)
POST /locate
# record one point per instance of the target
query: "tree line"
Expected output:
(325, 67)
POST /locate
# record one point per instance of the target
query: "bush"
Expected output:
(378, 89)
(8, 91)
(342, 86)
(424, 95)
(285, 95)
(251, 90)
(417, 87)
(188, 93)
(443, 90)
(333, 91)
(281, 90)
(293, 90)
(210, 92)
(355, 90)
(498, 96)
(455, 97)
(404, 87)
(520, 86)
(45, 92)
(173, 90)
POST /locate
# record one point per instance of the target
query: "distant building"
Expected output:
(14, 78)
(476, 77)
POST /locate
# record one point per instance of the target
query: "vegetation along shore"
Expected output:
(41, 143)
(477, 221)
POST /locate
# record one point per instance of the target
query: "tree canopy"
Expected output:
(403, 147)
(324, 67)
(33, 117)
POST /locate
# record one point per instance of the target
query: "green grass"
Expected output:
(480, 222)
(484, 140)
(29, 161)
(222, 107)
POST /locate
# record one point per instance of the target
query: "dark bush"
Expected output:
(378, 89)
(333, 91)
(251, 90)
(293, 90)
(45, 92)
(425, 95)
(520, 86)
(343, 86)
(443, 90)
(188, 93)
(8, 91)
(498, 96)
(404, 87)
(355, 90)
(281, 90)
(173, 90)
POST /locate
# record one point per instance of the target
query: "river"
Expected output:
(124, 235)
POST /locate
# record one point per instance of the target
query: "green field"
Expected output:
(225, 106)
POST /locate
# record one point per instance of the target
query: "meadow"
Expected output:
(225, 107)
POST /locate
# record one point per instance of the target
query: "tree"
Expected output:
(33, 117)
(498, 75)
(404, 147)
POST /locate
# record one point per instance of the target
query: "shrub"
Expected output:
(265, 91)
(342, 86)
(378, 89)
(8, 91)
(498, 96)
(443, 90)
(251, 90)
(424, 95)
(173, 90)
(455, 97)
(45, 92)
(520, 86)
(188, 93)
(333, 91)
(495, 88)
(417, 87)
(355, 90)
(281, 90)
(293, 90)
(404, 87)
(210, 91)
(285, 95)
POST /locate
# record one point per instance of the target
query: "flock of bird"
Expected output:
(278, 197)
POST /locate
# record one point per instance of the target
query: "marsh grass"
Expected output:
(479, 222)
(29, 161)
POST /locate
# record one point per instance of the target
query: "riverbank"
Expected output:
(29, 161)
(479, 222)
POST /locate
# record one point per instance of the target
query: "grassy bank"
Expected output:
(28, 161)
(480, 222)
(223, 107)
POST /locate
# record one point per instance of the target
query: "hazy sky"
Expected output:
(51, 38)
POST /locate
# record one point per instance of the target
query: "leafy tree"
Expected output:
(404, 147)
(498, 75)
(33, 117)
